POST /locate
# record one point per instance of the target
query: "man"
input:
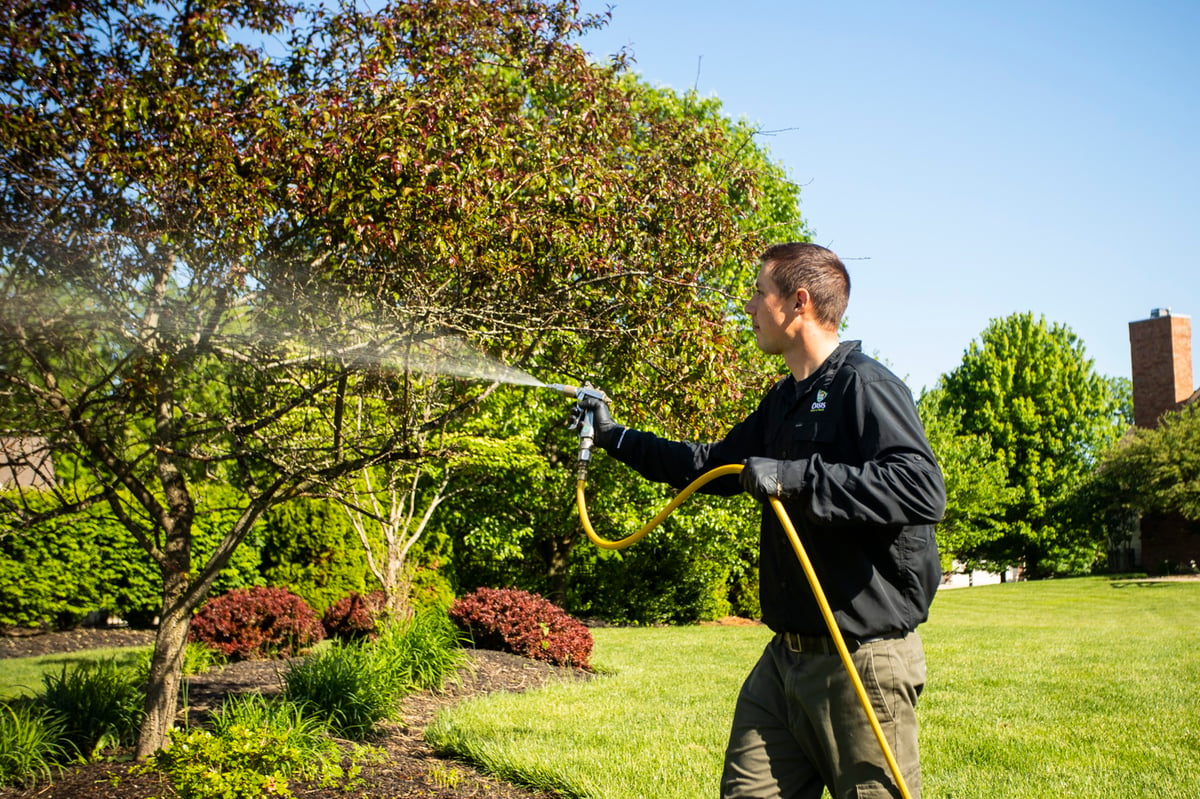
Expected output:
(840, 444)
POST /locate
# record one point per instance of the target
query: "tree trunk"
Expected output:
(166, 668)
(559, 567)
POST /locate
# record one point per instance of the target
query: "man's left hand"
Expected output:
(760, 478)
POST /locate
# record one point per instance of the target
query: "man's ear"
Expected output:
(803, 299)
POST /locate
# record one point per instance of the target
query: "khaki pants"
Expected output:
(799, 725)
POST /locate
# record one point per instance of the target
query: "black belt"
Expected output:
(824, 645)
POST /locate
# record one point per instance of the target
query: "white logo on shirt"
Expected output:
(819, 405)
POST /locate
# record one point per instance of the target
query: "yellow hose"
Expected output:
(790, 530)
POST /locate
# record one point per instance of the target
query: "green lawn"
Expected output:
(1071, 688)
(23, 676)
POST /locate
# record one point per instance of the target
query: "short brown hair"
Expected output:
(798, 265)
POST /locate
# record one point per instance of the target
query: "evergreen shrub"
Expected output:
(309, 546)
(257, 623)
(429, 587)
(54, 574)
(659, 581)
(526, 624)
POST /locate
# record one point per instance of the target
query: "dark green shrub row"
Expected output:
(53, 574)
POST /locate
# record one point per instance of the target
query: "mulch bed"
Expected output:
(408, 767)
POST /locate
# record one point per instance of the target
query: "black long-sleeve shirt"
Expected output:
(859, 481)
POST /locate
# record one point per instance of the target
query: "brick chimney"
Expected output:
(1160, 351)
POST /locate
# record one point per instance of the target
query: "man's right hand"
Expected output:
(606, 430)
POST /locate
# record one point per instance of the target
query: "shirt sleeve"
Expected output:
(678, 463)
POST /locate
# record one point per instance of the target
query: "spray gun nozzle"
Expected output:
(577, 392)
(581, 419)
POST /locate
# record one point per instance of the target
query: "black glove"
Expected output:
(761, 478)
(606, 430)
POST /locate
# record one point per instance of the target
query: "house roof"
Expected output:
(25, 462)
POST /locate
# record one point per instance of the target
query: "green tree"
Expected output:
(977, 490)
(1158, 469)
(1028, 388)
(208, 254)
(516, 524)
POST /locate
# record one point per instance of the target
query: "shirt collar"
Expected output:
(826, 371)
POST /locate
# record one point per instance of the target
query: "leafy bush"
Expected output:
(99, 703)
(428, 586)
(354, 616)
(51, 576)
(29, 744)
(659, 581)
(255, 748)
(525, 624)
(257, 623)
(743, 596)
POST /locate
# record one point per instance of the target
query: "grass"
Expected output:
(1071, 688)
(1064, 688)
(23, 676)
(654, 725)
(29, 744)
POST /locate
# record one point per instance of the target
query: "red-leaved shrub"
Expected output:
(257, 623)
(511, 620)
(354, 616)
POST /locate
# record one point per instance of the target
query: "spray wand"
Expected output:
(583, 421)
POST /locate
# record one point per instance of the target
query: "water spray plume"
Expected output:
(366, 345)
(450, 355)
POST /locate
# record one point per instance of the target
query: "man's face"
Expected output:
(771, 313)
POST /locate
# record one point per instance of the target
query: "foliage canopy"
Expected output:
(1028, 388)
(212, 254)
(1158, 469)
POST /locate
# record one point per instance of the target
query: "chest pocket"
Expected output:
(799, 438)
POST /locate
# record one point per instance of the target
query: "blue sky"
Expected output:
(968, 160)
